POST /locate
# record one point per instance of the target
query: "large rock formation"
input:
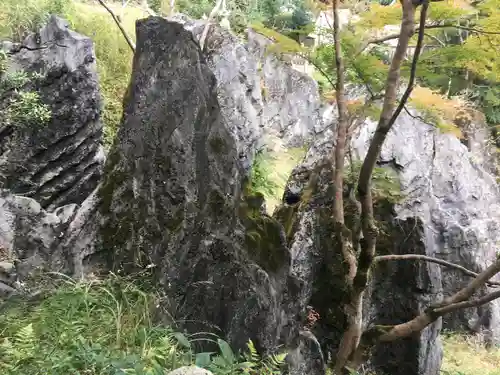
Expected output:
(47, 169)
(59, 162)
(171, 199)
(265, 101)
(450, 189)
(29, 235)
(450, 211)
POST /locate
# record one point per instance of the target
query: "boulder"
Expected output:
(171, 200)
(29, 236)
(59, 162)
(395, 294)
(450, 187)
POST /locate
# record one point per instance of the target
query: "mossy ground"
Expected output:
(466, 355)
(274, 169)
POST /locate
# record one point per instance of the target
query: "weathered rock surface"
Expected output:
(264, 100)
(60, 162)
(29, 235)
(171, 198)
(451, 211)
(449, 188)
(308, 222)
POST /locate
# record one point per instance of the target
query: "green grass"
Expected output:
(86, 328)
(270, 172)
(114, 57)
(106, 328)
(466, 355)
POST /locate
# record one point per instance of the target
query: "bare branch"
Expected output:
(465, 271)
(387, 119)
(339, 153)
(351, 336)
(119, 24)
(318, 68)
(427, 27)
(413, 71)
(439, 41)
(15, 48)
(147, 9)
(468, 304)
(453, 303)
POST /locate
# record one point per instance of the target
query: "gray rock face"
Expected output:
(396, 293)
(171, 198)
(29, 235)
(60, 162)
(265, 102)
(449, 188)
(450, 211)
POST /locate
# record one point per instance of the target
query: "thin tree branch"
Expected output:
(387, 119)
(413, 71)
(211, 16)
(147, 9)
(319, 68)
(440, 42)
(351, 336)
(15, 48)
(426, 27)
(119, 24)
(468, 304)
(339, 153)
(430, 315)
(465, 271)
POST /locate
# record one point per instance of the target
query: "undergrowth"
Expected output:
(24, 105)
(107, 328)
(270, 172)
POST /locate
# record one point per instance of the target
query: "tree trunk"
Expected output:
(342, 233)
(351, 338)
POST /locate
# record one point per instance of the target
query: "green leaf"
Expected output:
(226, 351)
(182, 340)
(203, 359)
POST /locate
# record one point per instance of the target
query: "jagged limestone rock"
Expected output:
(29, 235)
(264, 100)
(451, 188)
(171, 199)
(396, 292)
(59, 162)
(450, 210)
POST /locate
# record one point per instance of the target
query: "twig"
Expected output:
(427, 27)
(468, 304)
(119, 24)
(18, 47)
(211, 16)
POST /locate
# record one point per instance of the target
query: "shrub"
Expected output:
(24, 107)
